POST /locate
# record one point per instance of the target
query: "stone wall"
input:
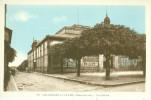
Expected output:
(88, 64)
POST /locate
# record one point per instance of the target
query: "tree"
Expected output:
(69, 49)
(23, 66)
(142, 51)
(113, 40)
(10, 54)
(57, 51)
(103, 39)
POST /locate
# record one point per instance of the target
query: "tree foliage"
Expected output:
(106, 40)
(114, 39)
(71, 48)
(11, 54)
(23, 66)
(68, 49)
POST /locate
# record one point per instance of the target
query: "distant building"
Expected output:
(39, 58)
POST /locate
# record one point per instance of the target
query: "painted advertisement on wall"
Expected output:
(126, 62)
(90, 61)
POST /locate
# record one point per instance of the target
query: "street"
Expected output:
(36, 82)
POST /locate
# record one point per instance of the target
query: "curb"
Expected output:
(15, 88)
(90, 83)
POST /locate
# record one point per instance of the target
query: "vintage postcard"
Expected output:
(75, 49)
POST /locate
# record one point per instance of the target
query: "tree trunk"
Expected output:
(144, 72)
(107, 77)
(144, 69)
(61, 64)
(78, 67)
(143, 63)
(107, 74)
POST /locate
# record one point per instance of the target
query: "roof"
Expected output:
(30, 51)
(65, 35)
(75, 27)
(53, 37)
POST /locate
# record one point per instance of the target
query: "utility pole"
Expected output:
(78, 15)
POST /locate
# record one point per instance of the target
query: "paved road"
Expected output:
(36, 82)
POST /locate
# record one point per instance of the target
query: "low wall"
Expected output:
(138, 68)
(70, 70)
(90, 69)
(65, 70)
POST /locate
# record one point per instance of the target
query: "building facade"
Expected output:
(39, 58)
(7, 42)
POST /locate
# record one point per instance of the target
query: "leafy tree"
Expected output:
(103, 39)
(57, 51)
(142, 51)
(69, 49)
(113, 40)
(23, 66)
(10, 53)
(74, 49)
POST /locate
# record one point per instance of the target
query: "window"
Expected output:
(42, 49)
(39, 51)
(46, 47)
(46, 61)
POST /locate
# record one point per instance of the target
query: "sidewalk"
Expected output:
(116, 78)
(12, 84)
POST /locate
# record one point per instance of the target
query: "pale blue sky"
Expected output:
(41, 20)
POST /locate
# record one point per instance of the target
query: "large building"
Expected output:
(39, 58)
